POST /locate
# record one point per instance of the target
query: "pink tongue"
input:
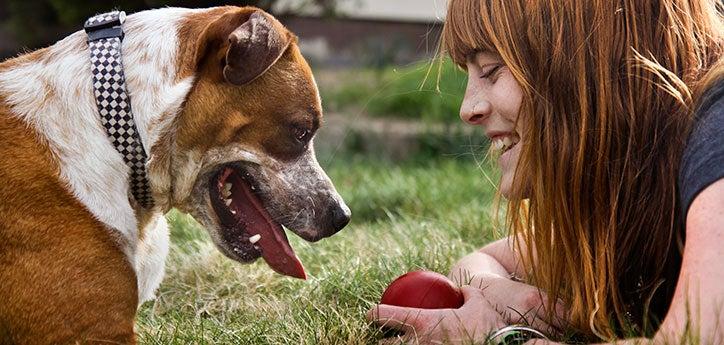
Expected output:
(274, 244)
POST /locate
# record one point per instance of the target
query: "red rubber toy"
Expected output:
(423, 289)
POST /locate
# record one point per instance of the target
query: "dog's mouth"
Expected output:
(247, 226)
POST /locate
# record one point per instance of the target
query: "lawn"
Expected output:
(406, 215)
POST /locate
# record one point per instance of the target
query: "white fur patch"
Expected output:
(55, 96)
(151, 258)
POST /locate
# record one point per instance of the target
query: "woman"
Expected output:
(590, 104)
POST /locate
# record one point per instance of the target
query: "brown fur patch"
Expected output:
(35, 56)
(194, 26)
(261, 114)
(64, 278)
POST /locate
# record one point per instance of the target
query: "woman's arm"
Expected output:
(699, 297)
(497, 259)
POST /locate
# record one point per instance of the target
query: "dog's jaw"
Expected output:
(296, 194)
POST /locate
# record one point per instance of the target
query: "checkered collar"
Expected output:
(105, 34)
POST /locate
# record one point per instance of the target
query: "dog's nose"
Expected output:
(339, 216)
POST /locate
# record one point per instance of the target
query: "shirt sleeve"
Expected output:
(702, 162)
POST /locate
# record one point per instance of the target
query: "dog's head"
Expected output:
(243, 161)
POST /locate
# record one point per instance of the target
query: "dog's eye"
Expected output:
(301, 134)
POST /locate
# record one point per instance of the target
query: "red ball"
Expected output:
(423, 289)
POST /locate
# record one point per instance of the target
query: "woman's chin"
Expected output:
(509, 192)
(508, 162)
(506, 186)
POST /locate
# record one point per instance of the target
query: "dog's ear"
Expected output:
(253, 48)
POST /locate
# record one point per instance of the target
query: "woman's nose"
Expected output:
(475, 114)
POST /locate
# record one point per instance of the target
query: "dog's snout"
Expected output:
(339, 216)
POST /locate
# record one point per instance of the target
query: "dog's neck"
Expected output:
(51, 90)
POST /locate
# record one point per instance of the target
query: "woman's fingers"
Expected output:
(470, 293)
(402, 318)
(474, 298)
(412, 321)
(395, 340)
(410, 340)
(541, 342)
(532, 309)
(522, 303)
(473, 321)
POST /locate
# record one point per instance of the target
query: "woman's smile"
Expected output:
(504, 145)
(509, 156)
(504, 142)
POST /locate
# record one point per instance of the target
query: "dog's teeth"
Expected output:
(233, 212)
(227, 202)
(226, 191)
(253, 188)
(255, 238)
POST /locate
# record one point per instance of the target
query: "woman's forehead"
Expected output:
(482, 56)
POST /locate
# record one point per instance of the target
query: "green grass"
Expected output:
(405, 92)
(405, 216)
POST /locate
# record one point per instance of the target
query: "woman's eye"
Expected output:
(488, 73)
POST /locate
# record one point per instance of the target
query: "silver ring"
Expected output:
(525, 333)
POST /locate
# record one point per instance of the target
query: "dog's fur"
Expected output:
(77, 255)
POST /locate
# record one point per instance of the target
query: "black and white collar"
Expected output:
(105, 34)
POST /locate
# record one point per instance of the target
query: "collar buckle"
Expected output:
(107, 25)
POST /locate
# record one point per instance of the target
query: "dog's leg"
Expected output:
(151, 257)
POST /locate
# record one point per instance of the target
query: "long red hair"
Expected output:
(609, 90)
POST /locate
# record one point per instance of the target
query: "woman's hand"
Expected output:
(496, 303)
(470, 323)
(520, 303)
(541, 342)
(517, 302)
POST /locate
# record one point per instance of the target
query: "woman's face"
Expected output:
(492, 100)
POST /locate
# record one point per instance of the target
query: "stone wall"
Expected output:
(353, 42)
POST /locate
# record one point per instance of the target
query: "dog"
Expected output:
(227, 109)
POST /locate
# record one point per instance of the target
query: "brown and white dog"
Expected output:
(226, 107)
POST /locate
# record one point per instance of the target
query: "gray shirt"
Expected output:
(703, 160)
